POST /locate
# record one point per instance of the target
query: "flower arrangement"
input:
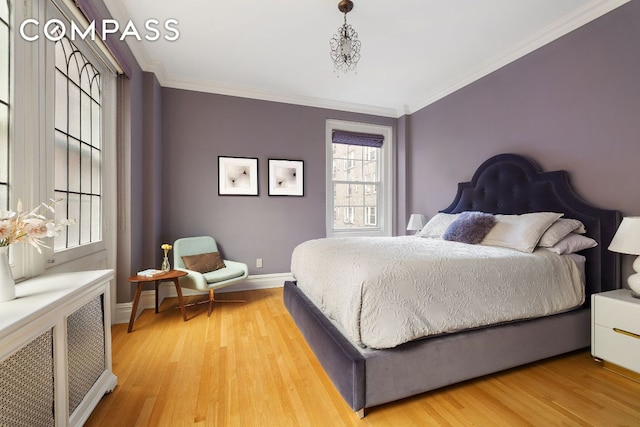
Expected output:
(166, 248)
(29, 227)
(165, 262)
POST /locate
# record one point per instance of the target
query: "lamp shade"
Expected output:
(416, 222)
(627, 238)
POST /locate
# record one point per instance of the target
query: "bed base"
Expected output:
(371, 378)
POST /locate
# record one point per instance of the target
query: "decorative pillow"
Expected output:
(437, 225)
(520, 232)
(470, 227)
(559, 230)
(573, 243)
(203, 263)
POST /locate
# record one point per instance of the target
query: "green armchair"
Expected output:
(232, 273)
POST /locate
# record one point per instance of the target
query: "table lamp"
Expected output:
(416, 222)
(627, 241)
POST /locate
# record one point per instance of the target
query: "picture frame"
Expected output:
(286, 177)
(237, 176)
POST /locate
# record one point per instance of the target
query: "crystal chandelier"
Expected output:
(345, 46)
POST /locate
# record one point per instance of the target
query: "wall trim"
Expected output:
(167, 290)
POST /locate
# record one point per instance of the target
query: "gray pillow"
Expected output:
(470, 227)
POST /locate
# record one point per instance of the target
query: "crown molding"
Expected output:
(573, 21)
(243, 92)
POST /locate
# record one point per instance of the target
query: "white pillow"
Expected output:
(437, 225)
(573, 243)
(520, 232)
(559, 230)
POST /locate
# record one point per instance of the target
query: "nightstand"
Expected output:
(615, 331)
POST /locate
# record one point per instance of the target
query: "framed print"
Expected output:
(237, 176)
(286, 177)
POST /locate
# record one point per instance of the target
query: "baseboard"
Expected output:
(168, 290)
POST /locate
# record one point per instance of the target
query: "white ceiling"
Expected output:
(414, 52)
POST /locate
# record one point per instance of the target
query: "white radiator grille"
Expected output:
(26, 385)
(85, 340)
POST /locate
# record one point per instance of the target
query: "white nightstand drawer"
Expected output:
(616, 347)
(621, 312)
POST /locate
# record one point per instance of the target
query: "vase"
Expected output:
(7, 284)
(165, 264)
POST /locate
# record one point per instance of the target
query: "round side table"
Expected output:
(171, 275)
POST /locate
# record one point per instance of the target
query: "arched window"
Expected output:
(78, 146)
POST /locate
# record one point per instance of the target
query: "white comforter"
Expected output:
(384, 291)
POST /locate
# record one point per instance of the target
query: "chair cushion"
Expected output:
(203, 263)
(226, 273)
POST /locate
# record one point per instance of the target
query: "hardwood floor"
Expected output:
(247, 365)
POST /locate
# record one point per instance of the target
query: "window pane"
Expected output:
(85, 168)
(96, 173)
(4, 10)
(61, 49)
(60, 161)
(96, 209)
(85, 223)
(95, 125)
(4, 62)
(4, 196)
(74, 165)
(4, 144)
(85, 78)
(74, 110)
(61, 102)
(73, 231)
(85, 118)
(95, 86)
(60, 241)
(75, 61)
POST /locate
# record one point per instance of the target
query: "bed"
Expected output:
(504, 184)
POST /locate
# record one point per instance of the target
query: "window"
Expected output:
(60, 106)
(78, 141)
(359, 190)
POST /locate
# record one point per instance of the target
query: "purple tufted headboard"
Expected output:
(512, 184)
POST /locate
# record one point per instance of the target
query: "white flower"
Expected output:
(29, 227)
(38, 228)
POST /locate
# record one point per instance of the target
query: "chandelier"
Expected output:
(345, 46)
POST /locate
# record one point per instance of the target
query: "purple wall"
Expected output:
(199, 127)
(573, 104)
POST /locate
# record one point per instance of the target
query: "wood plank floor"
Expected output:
(247, 365)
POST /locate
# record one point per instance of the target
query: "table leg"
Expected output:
(157, 282)
(134, 309)
(179, 292)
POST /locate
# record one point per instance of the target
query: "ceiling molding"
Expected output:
(571, 22)
(242, 92)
